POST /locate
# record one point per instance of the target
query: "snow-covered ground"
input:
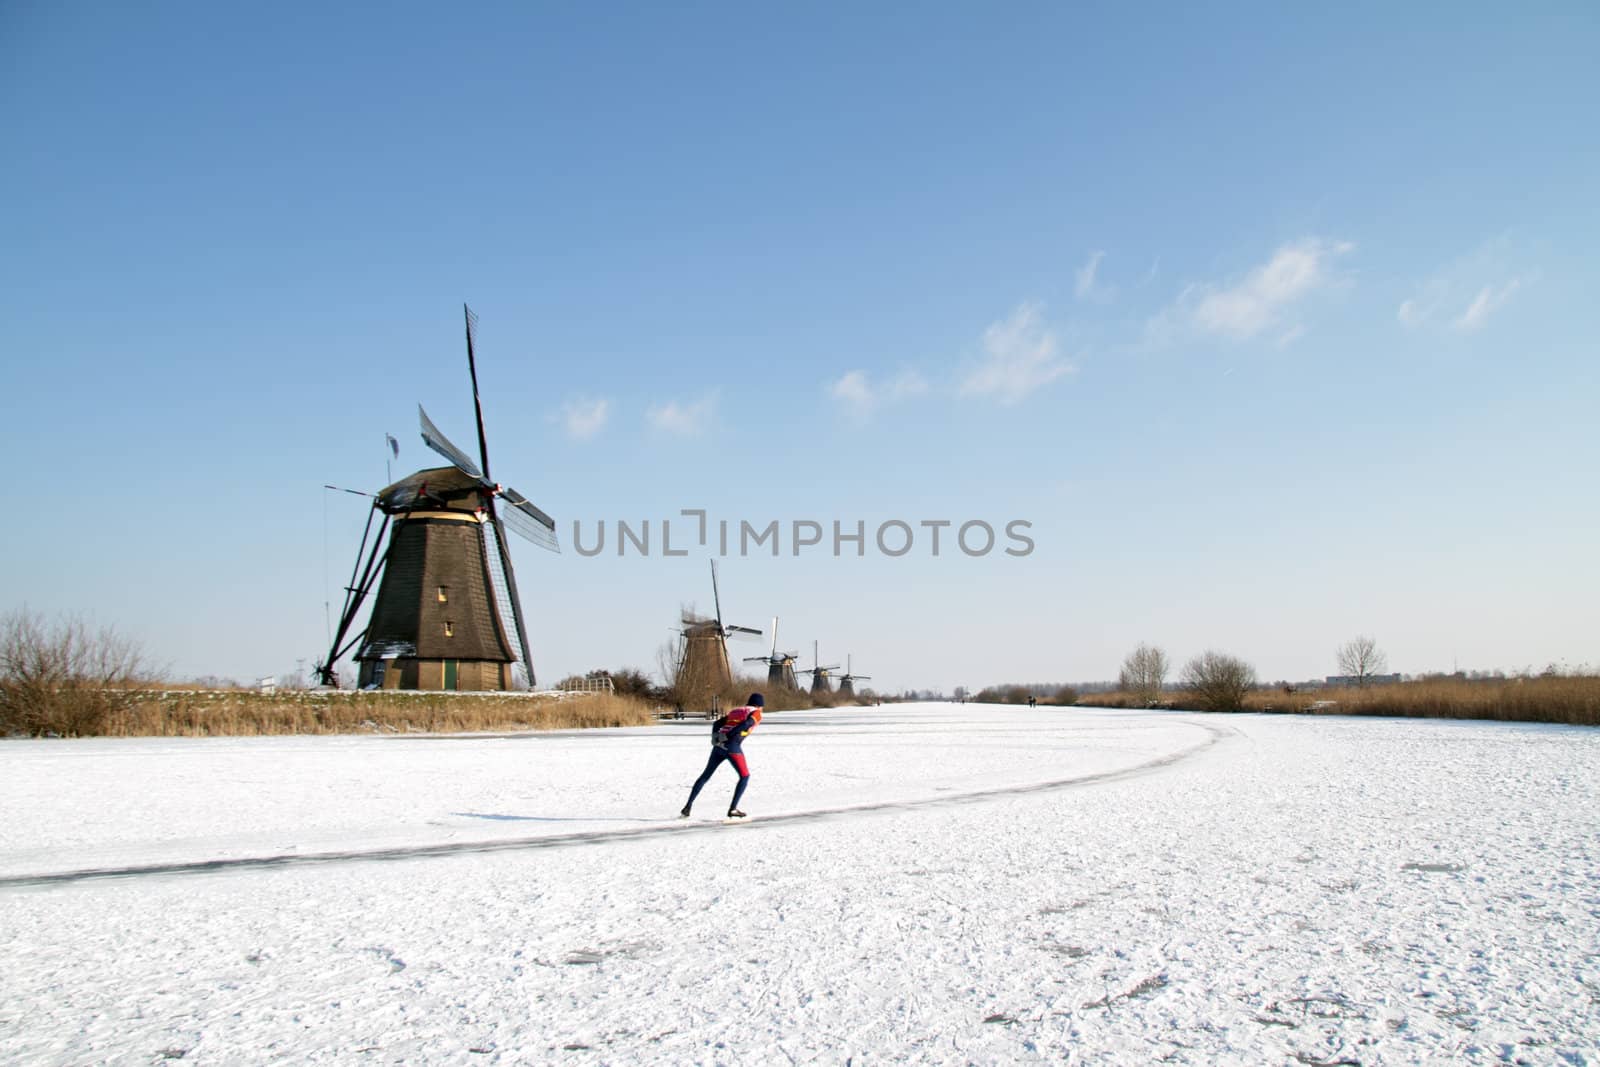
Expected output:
(923, 883)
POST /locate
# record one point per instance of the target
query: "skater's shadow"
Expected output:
(534, 818)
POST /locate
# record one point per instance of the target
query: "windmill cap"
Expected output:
(756, 701)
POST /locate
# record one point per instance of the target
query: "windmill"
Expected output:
(780, 665)
(847, 681)
(447, 614)
(704, 669)
(819, 674)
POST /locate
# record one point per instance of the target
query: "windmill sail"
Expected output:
(441, 444)
(530, 522)
(509, 604)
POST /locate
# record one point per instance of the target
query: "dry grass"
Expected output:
(1572, 700)
(202, 713)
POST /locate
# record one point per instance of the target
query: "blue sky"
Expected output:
(1278, 325)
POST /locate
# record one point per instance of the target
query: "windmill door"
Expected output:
(452, 672)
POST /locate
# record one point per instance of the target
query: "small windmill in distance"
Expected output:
(847, 680)
(704, 669)
(780, 665)
(819, 674)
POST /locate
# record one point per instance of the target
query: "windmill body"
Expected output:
(780, 665)
(847, 680)
(436, 621)
(819, 674)
(704, 669)
(447, 614)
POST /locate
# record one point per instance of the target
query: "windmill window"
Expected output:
(449, 628)
(444, 593)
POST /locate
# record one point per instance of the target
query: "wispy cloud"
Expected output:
(1489, 299)
(1463, 294)
(1019, 357)
(1264, 298)
(1087, 285)
(859, 396)
(584, 417)
(686, 419)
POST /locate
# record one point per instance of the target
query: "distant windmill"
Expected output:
(704, 669)
(780, 665)
(819, 674)
(447, 614)
(847, 680)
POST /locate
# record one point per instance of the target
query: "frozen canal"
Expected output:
(919, 883)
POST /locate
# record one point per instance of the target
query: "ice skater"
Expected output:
(727, 737)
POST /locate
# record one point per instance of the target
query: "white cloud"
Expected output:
(584, 418)
(1488, 300)
(1263, 298)
(1088, 285)
(1019, 358)
(1464, 293)
(684, 419)
(857, 393)
(908, 383)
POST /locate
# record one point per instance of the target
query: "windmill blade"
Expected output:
(774, 652)
(859, 677)
(732, 630)
(527, 520)
(716, 598)
(441, 444)
(755, 659)
(472, 369)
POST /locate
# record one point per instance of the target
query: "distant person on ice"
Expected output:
(727, 737)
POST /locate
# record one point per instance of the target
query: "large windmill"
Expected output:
(780, 665)
(447, 614)
(847, 680)
(704, 669)
(819, 674)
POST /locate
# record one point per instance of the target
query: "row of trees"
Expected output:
(1017, 693)
(1219, 681)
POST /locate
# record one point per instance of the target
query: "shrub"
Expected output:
(1219, 681)
(63, 677)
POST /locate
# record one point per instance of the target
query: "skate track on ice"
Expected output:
(1215, 733)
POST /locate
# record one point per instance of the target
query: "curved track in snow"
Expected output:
(1214, 734)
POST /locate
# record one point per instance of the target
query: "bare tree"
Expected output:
(1219, 681)
(1144, 672)
(1361, 658)
(669, 656)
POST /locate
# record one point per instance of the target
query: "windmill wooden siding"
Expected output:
(435, 619)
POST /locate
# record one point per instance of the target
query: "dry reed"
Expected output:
(1574, 700)
(202, 713)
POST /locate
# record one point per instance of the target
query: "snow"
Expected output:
(922, 883)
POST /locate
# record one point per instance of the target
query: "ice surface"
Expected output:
(927, 883)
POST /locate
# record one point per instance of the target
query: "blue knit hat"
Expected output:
(756, 701)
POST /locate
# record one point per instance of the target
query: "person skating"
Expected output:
(727, 738)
